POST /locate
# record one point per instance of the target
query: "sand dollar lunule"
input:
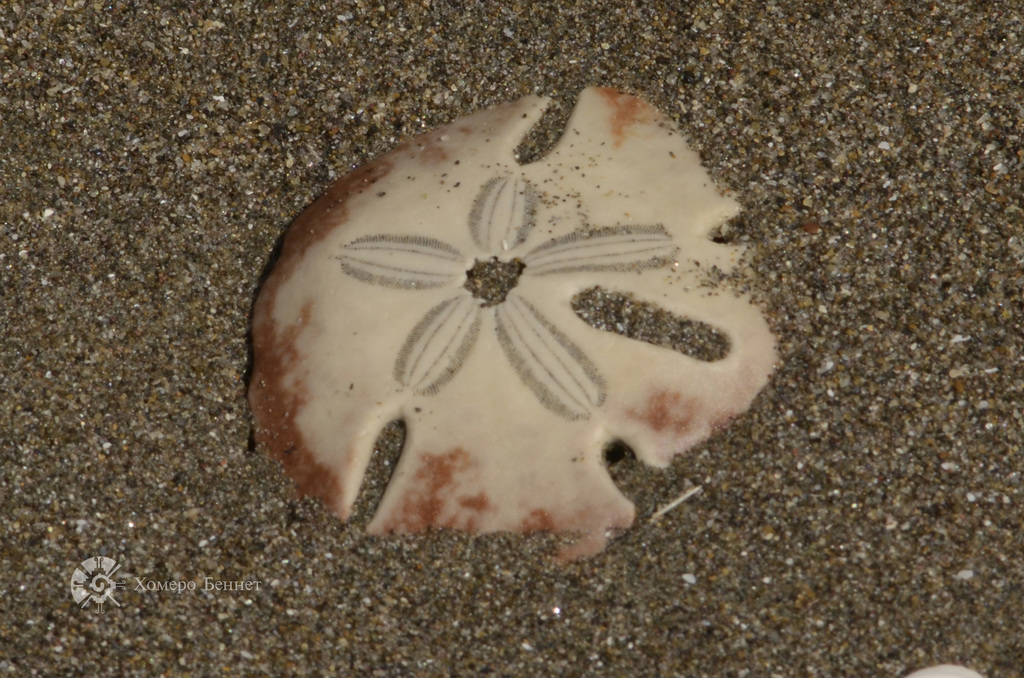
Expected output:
(435, 285)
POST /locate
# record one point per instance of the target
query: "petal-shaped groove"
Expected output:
(502, 213)
(557, 371)
(403, 261)
(619, 248)
(624, 314)
(434, 351)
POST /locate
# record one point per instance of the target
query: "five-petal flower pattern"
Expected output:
(547, 361)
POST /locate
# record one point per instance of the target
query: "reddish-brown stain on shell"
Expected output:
(538, 520)
(627, 111)
(668, 411)
(275, 403)
(433, 154)
(276, 406)
(319, 219)
(478, 502)
(427, 149)
(437, 481)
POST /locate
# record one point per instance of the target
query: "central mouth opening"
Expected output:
(490, 280)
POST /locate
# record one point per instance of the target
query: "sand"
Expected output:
(862, 519)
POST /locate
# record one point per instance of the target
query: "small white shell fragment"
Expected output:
(945, 671)
(676, 502)
(382, 306)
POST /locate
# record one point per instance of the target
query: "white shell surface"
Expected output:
(508, 402)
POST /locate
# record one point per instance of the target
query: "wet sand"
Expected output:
(862, 519)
